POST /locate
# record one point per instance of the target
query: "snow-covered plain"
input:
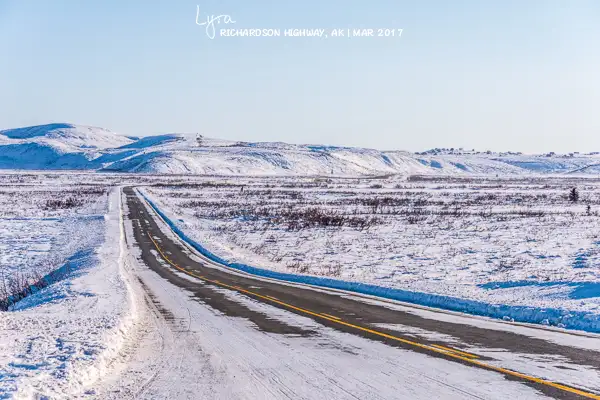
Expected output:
(92, 334)
(44, 228)
(66, 332)
(517, 242)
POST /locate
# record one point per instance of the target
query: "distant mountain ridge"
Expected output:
(64, 146)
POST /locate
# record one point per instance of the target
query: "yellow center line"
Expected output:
(330, 316)
(464, 353)
(452, 354)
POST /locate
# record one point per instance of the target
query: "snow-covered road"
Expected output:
(198, 353)
(224, 335)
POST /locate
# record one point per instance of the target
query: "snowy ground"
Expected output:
(43, 228)
(92, 333)
(506, 241)
(60, 339)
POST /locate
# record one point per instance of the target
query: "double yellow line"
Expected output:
(447, 351)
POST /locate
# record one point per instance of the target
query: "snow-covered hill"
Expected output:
(66, 146)
(56, 146)
(74, 136)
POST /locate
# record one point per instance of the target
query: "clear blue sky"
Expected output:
(501, 75)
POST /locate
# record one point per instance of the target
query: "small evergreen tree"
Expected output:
(574, 195)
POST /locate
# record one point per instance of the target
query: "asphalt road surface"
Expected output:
(376, 321)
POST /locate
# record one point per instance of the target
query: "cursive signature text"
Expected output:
(211, 20)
